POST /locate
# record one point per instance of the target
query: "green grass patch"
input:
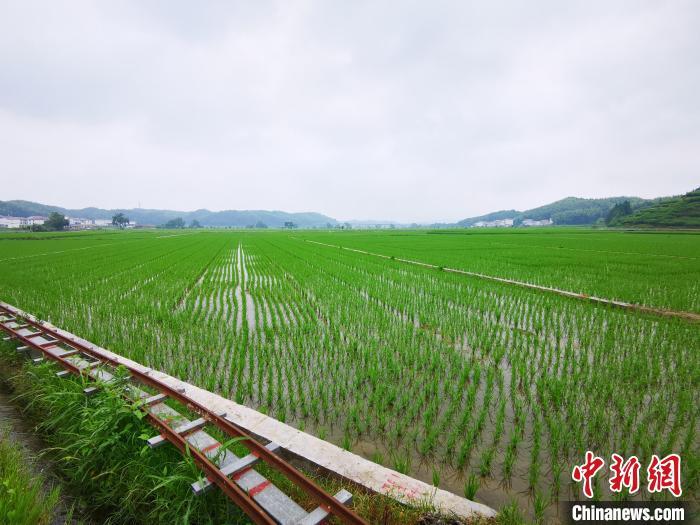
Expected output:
(23, 496)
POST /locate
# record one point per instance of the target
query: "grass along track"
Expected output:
(98, 447)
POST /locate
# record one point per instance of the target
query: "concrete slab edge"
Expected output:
(375, 477)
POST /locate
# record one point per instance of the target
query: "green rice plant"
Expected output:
(436, 477)
(401, 462)
(402, 355)
(508, 463)
(347, 441)
(510, 514)
(540, 504)
(486, 462)
(471, 485)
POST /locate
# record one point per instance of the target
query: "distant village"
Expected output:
(509, 223)
(79, 223)
(74, 223)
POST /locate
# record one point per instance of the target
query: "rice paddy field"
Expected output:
(486, 389)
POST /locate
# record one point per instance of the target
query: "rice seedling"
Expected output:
(471, 485)
(347, 441)
(511, 515)
(540, 504)
(98, 445)
(436, 477)
(431, 365)
(401, 463)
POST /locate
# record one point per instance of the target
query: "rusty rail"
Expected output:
(327, 503)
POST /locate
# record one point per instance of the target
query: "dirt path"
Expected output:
(688, 316)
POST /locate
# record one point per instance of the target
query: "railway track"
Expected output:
(257, 496)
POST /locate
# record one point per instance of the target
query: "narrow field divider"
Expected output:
(688, 316)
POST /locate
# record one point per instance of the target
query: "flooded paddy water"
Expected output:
(450, 378)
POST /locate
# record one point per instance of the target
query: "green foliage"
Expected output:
(174, 224)
(568, 211)
(496, 215)
(621, 209)
(677, 212)
(99, 447)
(23, 499)
(120, 220)
(511, 515)
(55, 222)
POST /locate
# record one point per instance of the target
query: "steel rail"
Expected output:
(27, 341)
(335, 507)
(233, 491)
(226, 484)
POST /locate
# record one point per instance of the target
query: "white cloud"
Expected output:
(401, 110)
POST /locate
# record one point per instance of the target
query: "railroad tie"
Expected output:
(257, 496)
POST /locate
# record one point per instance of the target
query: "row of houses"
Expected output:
(78, 223)
(74, 223)
(499, 223)
(508, 223)
(21, 222)
(543, 222)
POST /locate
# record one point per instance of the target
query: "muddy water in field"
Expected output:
(492, 490)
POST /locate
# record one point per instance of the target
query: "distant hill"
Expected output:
(571, 211)
(234, 218)
(682, 211)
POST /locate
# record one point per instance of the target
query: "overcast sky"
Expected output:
(410, 111)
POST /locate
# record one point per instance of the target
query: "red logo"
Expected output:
(665, 474)
(587, 471)
(662, 474)
(624, 474)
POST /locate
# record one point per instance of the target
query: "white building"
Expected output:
(531, 222)
(12, 222)
(499, 223)
(36, 219)
(77, 222)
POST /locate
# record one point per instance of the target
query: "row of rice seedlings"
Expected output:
(465, 374)
(595, 263)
